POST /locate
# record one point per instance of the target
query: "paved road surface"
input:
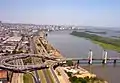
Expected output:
(66, 78)
(18, 77)
(33, 51)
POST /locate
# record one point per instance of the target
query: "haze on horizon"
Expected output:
(74, 12)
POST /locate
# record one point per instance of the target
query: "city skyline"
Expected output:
(73, 12)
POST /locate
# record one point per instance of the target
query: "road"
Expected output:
(56, 80)
(49, 77)
(48, 80)
(63, 74)
(49, 74)
(18, 77)
(33, 51)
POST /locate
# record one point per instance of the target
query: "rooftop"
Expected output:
(13, 39)
(3, 74)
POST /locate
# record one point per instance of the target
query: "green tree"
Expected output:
(69, 63)
(14, 52)
(69, 74)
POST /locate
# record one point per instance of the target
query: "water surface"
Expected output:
(76, 47)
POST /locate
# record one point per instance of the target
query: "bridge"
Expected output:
(90, 59)
(5, 62)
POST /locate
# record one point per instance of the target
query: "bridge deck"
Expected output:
(92, 59)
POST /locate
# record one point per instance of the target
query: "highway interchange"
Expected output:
(19, 67)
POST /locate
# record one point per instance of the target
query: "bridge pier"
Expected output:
(78, 62)
(89, 62)
(90, 57)
(115, 60)
(104, 61)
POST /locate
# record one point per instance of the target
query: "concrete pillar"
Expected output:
(90, 57)
(105, 57)
(78, 62)
(114, 61)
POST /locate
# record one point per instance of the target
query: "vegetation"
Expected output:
(27, 78)
(105, 42)
(74, 79)
(58, 73)
(49, 74)
(17, 52)
(69, 74)
(96, 32)
(108, 46)
(69, 62)
(27, 60)
(41, 74)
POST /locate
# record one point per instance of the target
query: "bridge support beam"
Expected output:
(104, 61)
(78, 62)
(90, 57)
(115, 61)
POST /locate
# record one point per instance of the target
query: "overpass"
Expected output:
(5, 62)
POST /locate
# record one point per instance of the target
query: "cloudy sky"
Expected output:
(74, 12)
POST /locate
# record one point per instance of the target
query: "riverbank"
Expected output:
(83, 73)
(106, 43)
(54, 51)
(50, 49)
(79, 72)
(80, 75)
(107, 46)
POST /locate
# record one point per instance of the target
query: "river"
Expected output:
(75, 47)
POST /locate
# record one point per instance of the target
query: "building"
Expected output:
(3, 76)
(10, 43)
(13, 40)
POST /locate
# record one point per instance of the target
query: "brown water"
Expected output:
(109, 73)
(72, 46)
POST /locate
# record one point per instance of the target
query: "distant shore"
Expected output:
(104, 42)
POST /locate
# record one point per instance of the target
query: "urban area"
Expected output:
(26, 56)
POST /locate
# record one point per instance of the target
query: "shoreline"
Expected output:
(84, 72)
(107, 46)
(98, 41)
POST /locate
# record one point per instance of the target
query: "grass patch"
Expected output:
(58, 73)
(86, 80)
(108, 46)
(105, 42)
(41, 75)
(49, 74)
(27, 78)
